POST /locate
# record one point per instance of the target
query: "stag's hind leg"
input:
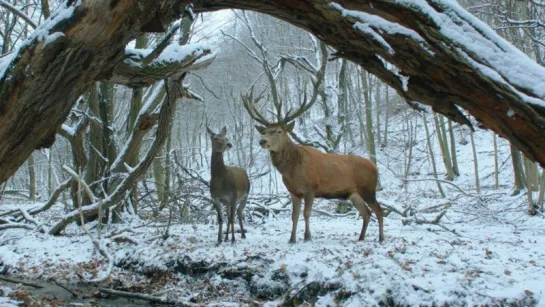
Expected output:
(364, 211)
(374, 205)
(240, 210)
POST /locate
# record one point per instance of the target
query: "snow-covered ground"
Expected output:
(483, 258)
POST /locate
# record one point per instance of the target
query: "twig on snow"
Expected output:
(74, 294)
(16, 281)
(145, 297)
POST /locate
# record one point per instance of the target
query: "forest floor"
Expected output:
(484, 250)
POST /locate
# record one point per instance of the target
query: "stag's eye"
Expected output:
(279, 131)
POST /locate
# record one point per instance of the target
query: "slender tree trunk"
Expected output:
(50, 185)
(343, 94)
(475, 163)
(453, 154)
(32, 179)
(134, 109)
(529, 187)
(159, 174)
(109, 150)
(444, 148)
(496, 165)
(387, 115)
(45, 9)
(540, 198)
(377, 111)
(517, 170)
(95, 162)
(409, 144)
(432, 158)
(532, 175)
(368, 115)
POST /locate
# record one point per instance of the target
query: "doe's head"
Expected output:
(220, 142)
(274, 136)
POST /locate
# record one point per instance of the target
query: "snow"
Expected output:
(510, 113)
(172, 53)
(491, 51)
(378, 23)
(365, 28)
(5, 62)
(484, 49)
(368, 22)
(7, 302)
(52, 38)
(490, 262)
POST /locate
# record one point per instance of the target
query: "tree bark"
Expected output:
(442, 72)
(518, 172)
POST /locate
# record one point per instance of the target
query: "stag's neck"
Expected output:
(218, 166)
(287, 158)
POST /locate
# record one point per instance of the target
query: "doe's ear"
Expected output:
(223, 131)
(209, 130)
(260, 129)
(289, 127)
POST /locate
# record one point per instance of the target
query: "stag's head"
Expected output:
(274, 136)
(220, 142)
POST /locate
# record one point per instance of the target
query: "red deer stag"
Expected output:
(228, 185)
(308, 173)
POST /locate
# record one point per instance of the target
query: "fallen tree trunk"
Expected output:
(432, 52)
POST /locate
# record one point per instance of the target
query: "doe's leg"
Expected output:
(232, 221)
(228, 210)
(217, 206)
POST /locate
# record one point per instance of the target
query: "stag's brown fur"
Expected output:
(308, 173)
(228, 185)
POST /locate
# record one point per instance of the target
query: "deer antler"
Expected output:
(250, 102)
(320, 73)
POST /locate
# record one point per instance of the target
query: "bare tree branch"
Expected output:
(18, 12)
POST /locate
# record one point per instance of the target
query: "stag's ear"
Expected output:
(261, 129)
(289, 127)
(223, 131)
(209, 131)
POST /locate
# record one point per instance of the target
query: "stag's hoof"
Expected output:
(243, 236)
(291, 241)
(308, 237)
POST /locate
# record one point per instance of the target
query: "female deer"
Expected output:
(228, 185)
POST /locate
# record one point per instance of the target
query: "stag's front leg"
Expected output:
(217, 206)
(296, 211)
(309, 200)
